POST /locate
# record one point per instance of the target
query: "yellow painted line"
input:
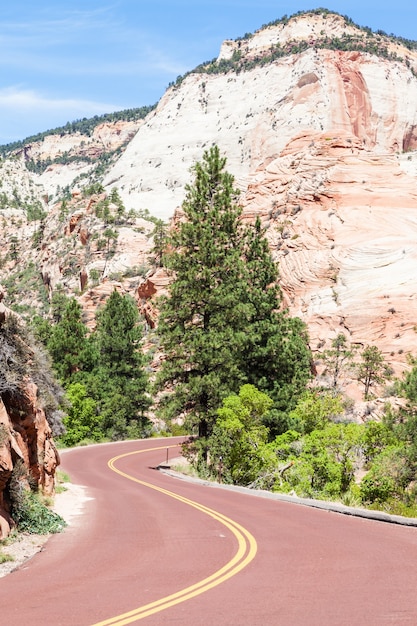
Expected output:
(245, 553)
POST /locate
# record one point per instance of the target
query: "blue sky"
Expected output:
(64, 60)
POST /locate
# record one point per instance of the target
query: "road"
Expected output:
(154, 549)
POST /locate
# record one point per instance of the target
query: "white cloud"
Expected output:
(28, 100)
(25, 112)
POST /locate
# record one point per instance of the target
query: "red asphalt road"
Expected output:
(134, 545)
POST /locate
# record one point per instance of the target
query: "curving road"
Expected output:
(159, 550)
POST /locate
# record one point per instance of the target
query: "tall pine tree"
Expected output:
(220, 326)
(276, 359)
(121, 376)
(202, 323)
(67, 341)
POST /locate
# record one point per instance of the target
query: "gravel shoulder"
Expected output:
(22, 547)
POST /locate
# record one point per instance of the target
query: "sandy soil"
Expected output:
(68, 504)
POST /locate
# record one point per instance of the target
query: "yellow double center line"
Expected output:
(244, 555)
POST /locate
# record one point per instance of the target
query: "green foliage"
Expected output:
(68, 343)
(27, 508)
(337, 360)
(84, 126)
(94, 188)
(94, 275)
(120, 371)
(237, 449)
(82, 420)
(318, 459)
(23, 280)
(322, 463)
(390, 474)
(314, 411)
(104, 372)
(117, 201)
(376, 437)
(276, 355)
(374, 43)
(220, 327)
(160, 241)
(409, 384)
(63, 211)
(32, 516)
(372, 369)
(202, 323)
(35, 212)
(4, 557)
(59, 303)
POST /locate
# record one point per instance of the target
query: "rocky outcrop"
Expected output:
(254, 114)
(78, 152)
(155, 286)
(26, 442)
(342, 226)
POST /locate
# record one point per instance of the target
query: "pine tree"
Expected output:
(221, 326)
(338, 359)
(160, 238)
(121, 376)
(202, 323)
(276, 359)
(372, 369)
(68, 343)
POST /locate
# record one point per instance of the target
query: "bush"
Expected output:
(27, 509)
(33, 517)
(389, 476)
(376, 487)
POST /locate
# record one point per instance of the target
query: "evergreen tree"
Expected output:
(160, 237)
(372, 369)
(219, 327)
(337, 359)
(276, 358)
(202, 323)
(120, 379)
(68, 343)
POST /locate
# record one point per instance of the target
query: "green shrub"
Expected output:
(27, 509)
(376, 487)
(33, 517)
(4, 557)
(389, 476)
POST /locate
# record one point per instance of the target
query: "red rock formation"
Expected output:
(73, 222)
(25, 436)
(343, 226)
(148, 292)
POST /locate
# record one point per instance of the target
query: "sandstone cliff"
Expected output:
(26, 438)
(323, 146)
(318, 121)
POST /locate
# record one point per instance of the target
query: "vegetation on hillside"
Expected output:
(22, 359)
(23, 362)
(321, 454)
(103, 372)
(84, 126)
(365, 41)
(28, 507)
(24, 249)
(99, 164)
